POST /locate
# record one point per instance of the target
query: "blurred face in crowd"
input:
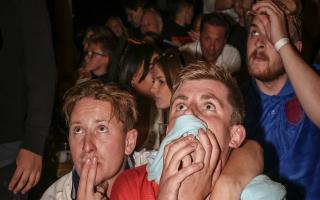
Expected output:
(134, 17)
(241, 7)
(189, 14)
(208, 100)
(96, 61)
(196, 24)
(144, 86)
(151, 23)
(94, 133)
(264, 63)
(212, 41)
(85, 40)
(160, 90)
(116, 27)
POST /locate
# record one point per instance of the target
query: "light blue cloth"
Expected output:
(184, 125)
(263, 188)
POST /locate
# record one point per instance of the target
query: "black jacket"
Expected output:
(28, 73)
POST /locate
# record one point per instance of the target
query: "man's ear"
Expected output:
(298, 45)
(131, 139)
(237, 135)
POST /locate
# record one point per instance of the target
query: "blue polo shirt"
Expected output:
(291, 141)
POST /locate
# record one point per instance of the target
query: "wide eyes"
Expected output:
(181, 107)
(103, 129)
(210, 107)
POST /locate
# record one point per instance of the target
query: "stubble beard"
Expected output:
(269, 74)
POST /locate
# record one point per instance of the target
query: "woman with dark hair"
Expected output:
(134, 67)
(164, 72)
(135, 76)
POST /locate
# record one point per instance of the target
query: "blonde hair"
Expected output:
(203, 70)
(123, 103)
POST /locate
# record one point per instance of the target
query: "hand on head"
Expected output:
(272, 18)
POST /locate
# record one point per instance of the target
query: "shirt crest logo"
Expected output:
(294, 111)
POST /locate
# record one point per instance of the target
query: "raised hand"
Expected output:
(199, 184)
(272, 18)
(87, 189)
(173, 174)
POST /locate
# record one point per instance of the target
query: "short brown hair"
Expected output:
(217, 19)
(123, 104)
(203, 70)
(106, 43)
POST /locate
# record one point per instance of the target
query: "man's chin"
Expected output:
(210, 59)
(261, 71)
(268, 76)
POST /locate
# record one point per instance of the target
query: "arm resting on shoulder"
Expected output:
(243, 164)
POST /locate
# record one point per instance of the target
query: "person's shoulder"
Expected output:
(190, 45)
(60, 188)
(131, 178)
(229, 49)
(262, 187)
(129, 184)
(191, 51)
(136, 172)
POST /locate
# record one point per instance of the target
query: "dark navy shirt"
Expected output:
(291, 141)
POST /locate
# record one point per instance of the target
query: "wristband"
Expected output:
(280, 43)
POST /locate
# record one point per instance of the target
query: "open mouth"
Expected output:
(259, 57)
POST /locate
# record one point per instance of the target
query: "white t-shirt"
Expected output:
(229, 57)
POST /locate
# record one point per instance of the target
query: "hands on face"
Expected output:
(272, 18)
(87, 189)
(27, 173)
(190, 167)
(174, 154)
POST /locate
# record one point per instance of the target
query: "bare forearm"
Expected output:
(243, 164)
(305, 82)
